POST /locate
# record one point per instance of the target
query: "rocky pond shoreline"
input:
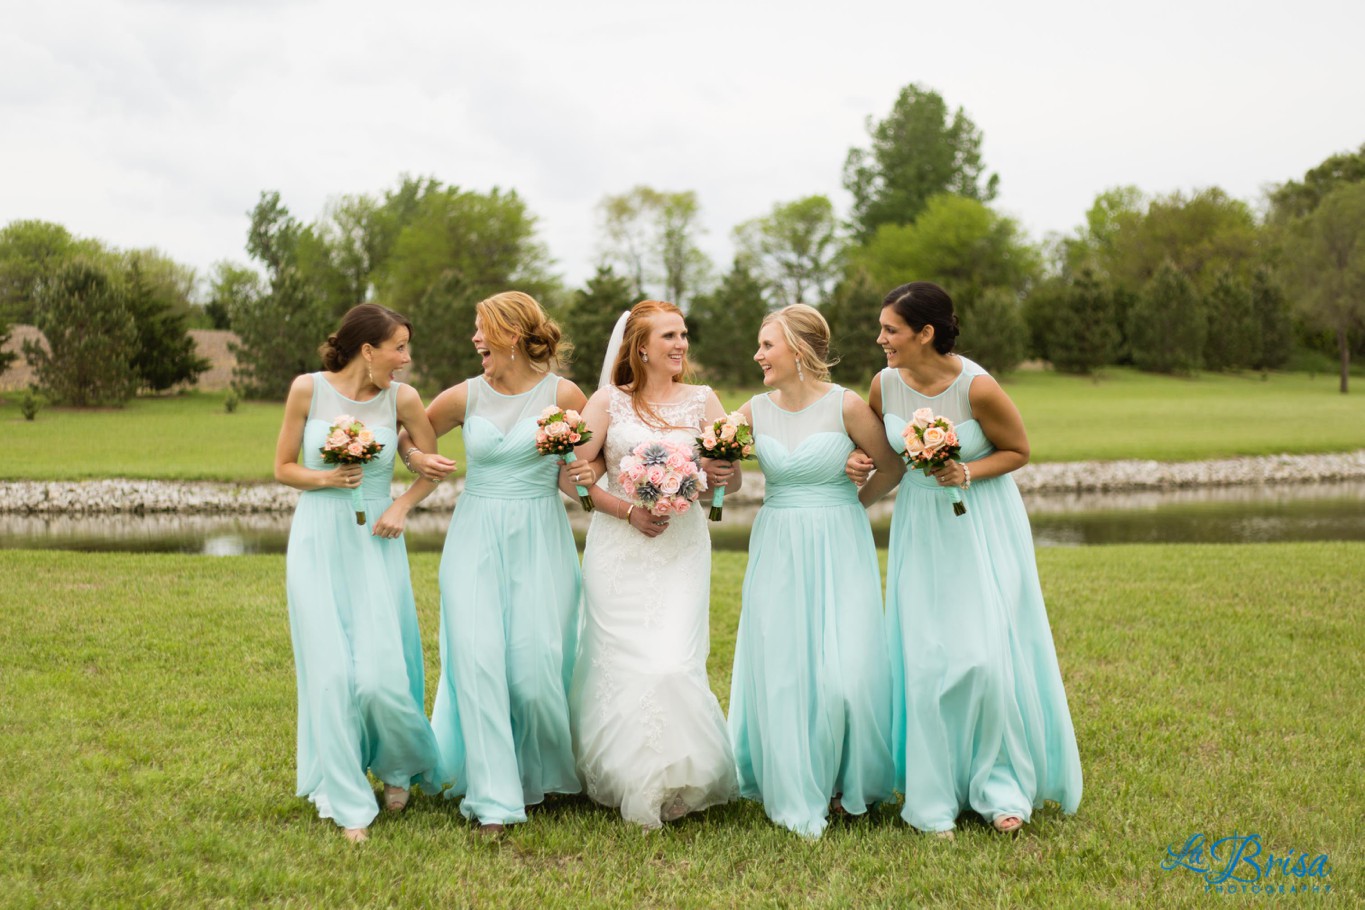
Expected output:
(141, 497)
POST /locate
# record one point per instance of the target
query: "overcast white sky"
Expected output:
(158, 122)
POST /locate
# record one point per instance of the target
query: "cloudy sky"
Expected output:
(159, 122)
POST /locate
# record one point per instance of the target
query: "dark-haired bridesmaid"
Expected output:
(357, 651)
(980, 719)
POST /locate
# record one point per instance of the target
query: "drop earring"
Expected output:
(644, 358)
(800, 374)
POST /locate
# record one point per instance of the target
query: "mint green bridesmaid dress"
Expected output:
(810, 698)
(357, 651)
(509, 616)
(980, 717)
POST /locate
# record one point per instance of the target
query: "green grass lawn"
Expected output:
(1125, 414)
(148, 753)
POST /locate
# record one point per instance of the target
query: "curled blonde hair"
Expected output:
(628, 369)
(807, 334)
(514, 321)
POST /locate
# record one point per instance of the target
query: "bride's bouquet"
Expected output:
(350, 442)
(729, 439)
(930, 443)
(560, 431)
(662, 476)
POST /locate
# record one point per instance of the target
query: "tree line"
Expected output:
(1168, 283)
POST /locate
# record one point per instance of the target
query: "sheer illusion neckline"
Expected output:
(962, 368)
(323, 377)
(489, 386)
(828, 392)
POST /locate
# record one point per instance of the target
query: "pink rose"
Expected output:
(557, 429)
(631, 463)
(337, 440)
(737, 418)
(573, 417)
(688, 469)
(365, 437)
(575, 438)
(923, 417)
(747, 450)
(627, 485)
(727, 432)
(344, 421)
(934, 437)
(663, 507)
(549, 412)
(676, 461)
(709, 440)
(655, 474)
(671, 484)
(952, 438)
(681, 504)
(356, 449)
(541, 438)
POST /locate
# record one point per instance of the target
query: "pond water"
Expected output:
(1251, 514)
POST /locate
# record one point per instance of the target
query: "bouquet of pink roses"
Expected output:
(560, 431)
(930, 443)
(729, 439)
(662, 476)
(350, 442)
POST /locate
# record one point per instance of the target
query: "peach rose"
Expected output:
(934, 437)
(356, 449)
(727, 432)
(549, 412)
(573, 417)
(913, 446)
(922, 417)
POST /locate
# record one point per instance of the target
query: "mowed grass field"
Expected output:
(148, 753)
(1124, 414)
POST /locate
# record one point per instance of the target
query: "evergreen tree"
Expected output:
(166, 354)
(1167, 325)
(91, 337)
(723, 326)
(994, 334)
(1080, 329)
(590, 318)
(1274, 335)
(1231, 343)
(854, 314)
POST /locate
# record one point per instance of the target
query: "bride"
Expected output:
(648, 733)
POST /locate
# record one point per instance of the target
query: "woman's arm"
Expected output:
(859, 465)
(1000, 421)
(412, 419)
(583, 472)
(445, 413)
(867, 433)
(288, 471)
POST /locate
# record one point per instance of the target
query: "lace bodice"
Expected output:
(627, 429)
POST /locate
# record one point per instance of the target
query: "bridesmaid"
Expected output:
(981, 720)
(352, 618)
(509, 575)
(810, 701)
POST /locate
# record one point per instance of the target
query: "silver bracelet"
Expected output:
(408, 455)
(966, 475)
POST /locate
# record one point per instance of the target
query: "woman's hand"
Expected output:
(345, 477)
(431, 466)
(390, 524)
(718, 472)
(649, 525)
(950, 475)
(580, 473)
(859, 467)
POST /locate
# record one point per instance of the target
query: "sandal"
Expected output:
(356, 835)
(395, 798)
(1007, 824)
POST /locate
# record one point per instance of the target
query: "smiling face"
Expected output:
(492, 360)
(902, 344)
(667, 345)
(774, 355)
(388, 358)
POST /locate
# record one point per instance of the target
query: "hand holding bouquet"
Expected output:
(728, 439)
(350, 442)
(930, 443)
(560, 431)
(663, 477)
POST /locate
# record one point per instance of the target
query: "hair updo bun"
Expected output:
(922, 303)
(368, 323)
(513, 319)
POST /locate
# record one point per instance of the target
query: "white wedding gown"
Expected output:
(649, 735)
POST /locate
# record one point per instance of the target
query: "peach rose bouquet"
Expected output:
(930, 443)
(350, 442)
(662, 477)
(559, 432)
(728, 439)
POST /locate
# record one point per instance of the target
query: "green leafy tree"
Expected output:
(724, 326)
(957, 242)
(652, 236)
(280, 329)
(31, 251)
(1326, 256)
(1273, 321)
(455, 248)
(590, 318)
(1298, 198)
(231, 288)
(853, 312)
(91, 337)
(1167, 324)
(7, 358)
(166, 354)
(1073, 323)
(1202, 235)
(995, 335)
(919, 151)
(1232, 342)
(795, 248)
